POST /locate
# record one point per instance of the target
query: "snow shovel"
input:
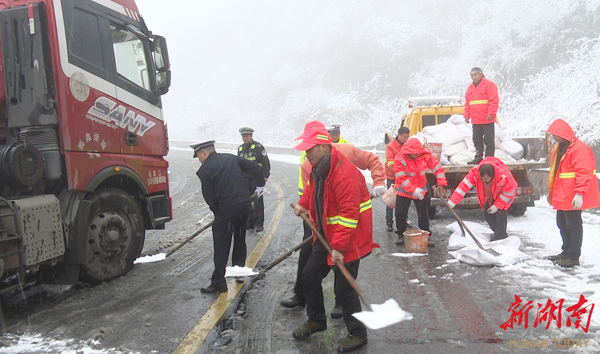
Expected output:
(463, 226)
(262, 272)
(162, 256)
(190, 238)
(378, 316)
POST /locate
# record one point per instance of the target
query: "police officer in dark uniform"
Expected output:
(254, 151)
(224, 189)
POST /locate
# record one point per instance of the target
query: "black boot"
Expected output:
(292, 302)
(337, 311)
(307, 328)
(567, 262)
(556, 257)
(475, 161)
(351, 343)
(211, 289)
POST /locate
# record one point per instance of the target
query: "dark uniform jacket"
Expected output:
(223, 181)
(255, 151)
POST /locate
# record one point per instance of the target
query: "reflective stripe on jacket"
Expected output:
(410, 173)
(481, 101)
(301, 180)
(391, 150)
(504, 185)
(347, 212)
(576, 173)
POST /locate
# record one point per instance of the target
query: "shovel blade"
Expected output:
(383, 315)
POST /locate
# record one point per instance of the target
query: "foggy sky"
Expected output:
(275, 65)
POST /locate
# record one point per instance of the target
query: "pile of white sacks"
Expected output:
(456, 136)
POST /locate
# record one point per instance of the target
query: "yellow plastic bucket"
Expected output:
(416, 241)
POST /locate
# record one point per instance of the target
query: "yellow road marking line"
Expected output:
(201, 330)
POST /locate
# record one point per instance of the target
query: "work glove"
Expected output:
(451, 204)
(419, 193)
(492, 210)
(379, 191)
(259, 191)
(577, 201)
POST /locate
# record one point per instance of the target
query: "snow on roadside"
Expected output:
(35, 343)
(151, 258)
(406, 255)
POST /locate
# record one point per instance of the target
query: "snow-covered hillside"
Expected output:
(274, 65)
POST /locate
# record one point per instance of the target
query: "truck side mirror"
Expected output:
(162, 65)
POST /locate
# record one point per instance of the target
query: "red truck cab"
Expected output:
(82, 137)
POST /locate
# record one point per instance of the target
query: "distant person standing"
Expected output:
(224, 189)
(391, 150)
(410, 166)
(496, 191)
(572, 187)
(334, 131)
(254, 151)
(481, 106)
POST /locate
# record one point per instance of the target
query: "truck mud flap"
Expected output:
(75, 210)
(159, 210)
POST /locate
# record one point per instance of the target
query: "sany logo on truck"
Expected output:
(105, 109)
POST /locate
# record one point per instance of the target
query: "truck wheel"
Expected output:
(517, 209)
(115, 236)
(431, 211)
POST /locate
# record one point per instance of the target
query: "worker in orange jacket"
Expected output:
(572, 187)
(391, 150)
(334, 132)
(481, 106)
(410, 166)
(339, 203)
(364, 160)
(496, 191)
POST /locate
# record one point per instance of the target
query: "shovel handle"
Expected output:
(286, 255)
(189, 238)
(338, 263)
(460, 220)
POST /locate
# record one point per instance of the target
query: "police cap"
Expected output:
(202, 145)
(334, 128)
(246, 130)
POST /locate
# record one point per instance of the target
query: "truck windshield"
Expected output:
(130, 57)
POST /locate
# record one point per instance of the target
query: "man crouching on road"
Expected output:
(338, 200)
(496, 191)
